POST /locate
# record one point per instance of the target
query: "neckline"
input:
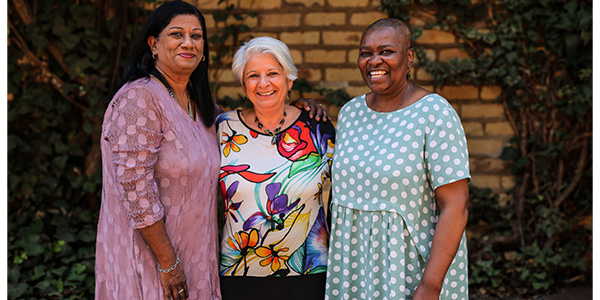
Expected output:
(174, 101)
(239, 115)
(369, 109)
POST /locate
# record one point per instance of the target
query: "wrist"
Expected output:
(431, 285)
(171, 267)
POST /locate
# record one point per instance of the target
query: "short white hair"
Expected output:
(263, 45)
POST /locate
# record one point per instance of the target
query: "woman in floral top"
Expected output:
(274, 160)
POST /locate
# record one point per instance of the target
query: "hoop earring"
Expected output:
(154, 55)
(202, 58)
(290, 94)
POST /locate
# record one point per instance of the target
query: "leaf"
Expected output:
(89, 188)
(59, 28)
(70, 40)
(572, 42)
(39, 41)
(13, 142)
(38, 272)
(61, 161)
(296, 260)
(489, 37)
(15, 292)
(311, 161)
(540, 285)
(88, 127)
(60, 285)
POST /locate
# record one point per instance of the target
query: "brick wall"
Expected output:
(324, 35)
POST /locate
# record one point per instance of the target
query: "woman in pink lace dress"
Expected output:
(157, 231)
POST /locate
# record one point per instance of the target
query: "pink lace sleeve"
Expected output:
(134, 136)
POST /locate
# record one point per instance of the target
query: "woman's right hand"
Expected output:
(173, 282)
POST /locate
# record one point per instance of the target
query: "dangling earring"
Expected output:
(408, 79)
(290, 94)
(246, 100)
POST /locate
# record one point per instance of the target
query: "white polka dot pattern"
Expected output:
(385, 170)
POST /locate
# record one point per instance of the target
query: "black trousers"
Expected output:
(308, 287)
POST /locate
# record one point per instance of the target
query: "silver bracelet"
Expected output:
(171, 268)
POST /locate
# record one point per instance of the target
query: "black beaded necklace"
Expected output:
(273, 133)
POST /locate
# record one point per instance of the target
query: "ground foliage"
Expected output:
(539, 52)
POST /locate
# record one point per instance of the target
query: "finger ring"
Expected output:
(180, 291)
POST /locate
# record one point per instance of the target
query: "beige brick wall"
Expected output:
(324, 35)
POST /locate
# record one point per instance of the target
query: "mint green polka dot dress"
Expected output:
(386, 167)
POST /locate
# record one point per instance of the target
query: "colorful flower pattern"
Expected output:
(275, 223)
(232, 142)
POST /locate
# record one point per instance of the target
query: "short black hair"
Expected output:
(394, 23)
(141, 64)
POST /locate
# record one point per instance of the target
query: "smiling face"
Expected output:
(265, 81)
(179, 46)
(384, 58)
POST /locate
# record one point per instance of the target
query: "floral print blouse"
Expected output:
(274, 218)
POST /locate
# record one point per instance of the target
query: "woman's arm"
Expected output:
(134, 133)
(453, 201)
(173, 281)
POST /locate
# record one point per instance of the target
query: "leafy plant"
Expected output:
(539, 53)
(229, 35)
(334, 96)
(60, 68)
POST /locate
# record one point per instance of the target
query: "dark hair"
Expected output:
(141, 64)
(394, 23)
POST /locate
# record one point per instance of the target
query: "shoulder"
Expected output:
(322, 125)
(354, 104)
(436, 99)
(143, 89)
(231, 115)
(436, 105)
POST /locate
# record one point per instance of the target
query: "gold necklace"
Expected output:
(273, 133)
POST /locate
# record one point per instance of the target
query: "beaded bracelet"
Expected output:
(171, 268)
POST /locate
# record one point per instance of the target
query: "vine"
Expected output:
(229, 36)
(539, 53)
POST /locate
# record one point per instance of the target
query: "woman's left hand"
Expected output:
(424, 293)
(315, 109)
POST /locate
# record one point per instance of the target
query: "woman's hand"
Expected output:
(316, 110)
(173, 283)
(423, 292)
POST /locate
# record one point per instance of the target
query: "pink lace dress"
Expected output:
(156, 162)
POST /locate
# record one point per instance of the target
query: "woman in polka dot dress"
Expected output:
(400, 183)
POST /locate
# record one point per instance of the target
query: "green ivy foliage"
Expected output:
(61, 61)
(539, 52)
(337, 97)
